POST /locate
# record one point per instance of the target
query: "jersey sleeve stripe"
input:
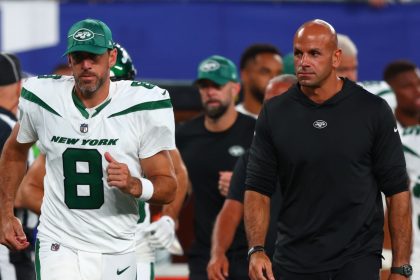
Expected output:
(30, 96)
(383, 92)
(409, 151)
(152, 105)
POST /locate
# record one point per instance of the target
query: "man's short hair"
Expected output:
(397, 67)
(252, 51)
(346, 45)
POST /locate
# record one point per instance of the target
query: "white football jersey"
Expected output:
(410, 137)
(382, 89)
(79, 209)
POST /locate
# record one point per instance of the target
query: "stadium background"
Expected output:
(168, 38)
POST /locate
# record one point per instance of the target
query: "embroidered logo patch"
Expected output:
(83, 35)
(320, 124)
(55, 247)
(84, 128)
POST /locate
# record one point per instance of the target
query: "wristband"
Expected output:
(255, 249)
(146, 189)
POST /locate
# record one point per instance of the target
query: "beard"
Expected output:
(257, 93)
(88, 90)
(215, 112)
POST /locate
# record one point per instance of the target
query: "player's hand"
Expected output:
(12, 235)
(224, 182)
(218, 268)
(260, 267)
(119, 176)
(161, 233)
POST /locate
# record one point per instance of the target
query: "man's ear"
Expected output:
(112, 57)
(336, 59)
(236, 88)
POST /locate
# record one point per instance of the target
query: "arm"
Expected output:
(157, 168)
(390, 172)
(261, 175)
(162, 232)
(400, 228)
(172, 209)
(31, 189)
(12, 170)
(257, 218)
(224, 230)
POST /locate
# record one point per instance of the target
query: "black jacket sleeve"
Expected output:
(237, 182)
(388, 157)
(263, 163)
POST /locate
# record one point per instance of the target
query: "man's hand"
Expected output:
(12, 235)
(224, 182)
(161, 232)
(260, 267)
(119, 176)
(218, 267)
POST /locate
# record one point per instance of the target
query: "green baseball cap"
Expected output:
(288, 64)
(89, 35)
(217, 69)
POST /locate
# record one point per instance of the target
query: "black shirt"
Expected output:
(236, 192)
(332, 161)
(7, 121)
(206, 153)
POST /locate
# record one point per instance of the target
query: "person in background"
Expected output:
(330, 224)
(229, 246)
(14, 265)
(209, 144)
(349, 66)
(404, 78)
(259, 63)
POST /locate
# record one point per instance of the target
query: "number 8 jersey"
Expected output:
(79, 209)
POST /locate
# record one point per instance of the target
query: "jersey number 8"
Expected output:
(83, 187)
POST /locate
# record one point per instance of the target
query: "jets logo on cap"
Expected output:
(83, 35)
(209, 65)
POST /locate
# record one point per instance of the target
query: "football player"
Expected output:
(149, 236)
(106, 147)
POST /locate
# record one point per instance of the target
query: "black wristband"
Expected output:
(254, 249)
